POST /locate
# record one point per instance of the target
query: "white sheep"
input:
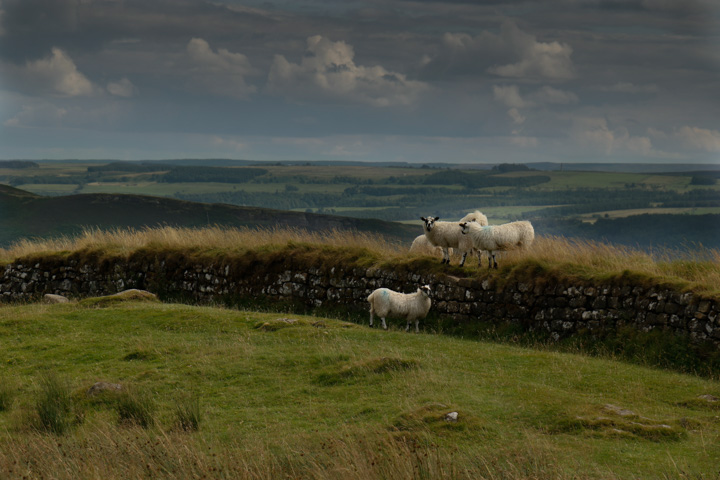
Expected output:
(476, 216)
(410, 306)
(508, 236)
(422, 245)
(446, 236)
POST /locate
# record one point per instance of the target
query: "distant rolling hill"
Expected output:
(24, 214)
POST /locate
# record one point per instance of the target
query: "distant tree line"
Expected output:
(18, 164)
(210, 174)
(134, 167)
(481, 179)
(401, 202)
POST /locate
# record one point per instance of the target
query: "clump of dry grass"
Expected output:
(115, 453)
(125, 241)
(698, 267)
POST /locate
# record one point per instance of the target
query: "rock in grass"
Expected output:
(52, 298)
(133, 295)
(100, 387)
(451, 417)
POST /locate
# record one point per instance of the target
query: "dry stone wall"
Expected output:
(558, 307)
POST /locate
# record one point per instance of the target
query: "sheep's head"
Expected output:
(425, 289)
(429, 222)
(464, 227)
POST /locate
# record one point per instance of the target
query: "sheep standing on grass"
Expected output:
(508, 236)
(410, 306)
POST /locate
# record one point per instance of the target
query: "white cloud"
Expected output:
(222, 73)
(594, 133)
(57, 74)
(516, 116)
(700, 138)
(509, 95)
(328, 72)
(535, 59)
(121, 88)
(691, 138)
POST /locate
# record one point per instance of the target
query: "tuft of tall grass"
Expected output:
(53, 405)
(136, 407)
(7, 395)
(187, 413)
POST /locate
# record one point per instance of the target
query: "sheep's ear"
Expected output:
(423, 219)
(437, 218)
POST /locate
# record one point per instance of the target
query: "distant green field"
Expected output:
(295, 396)
(554, 200)
(652, 211)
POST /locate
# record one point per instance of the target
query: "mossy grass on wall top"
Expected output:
(551, 257)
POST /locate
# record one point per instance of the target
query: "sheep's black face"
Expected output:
(425, 289)
(429, 222)
(464, 227)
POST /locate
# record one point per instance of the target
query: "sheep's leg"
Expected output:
(446, 256)
(383, 323)
(417, 326)
(407, 327)
(494, 261)
(462, 260)
(372, 317)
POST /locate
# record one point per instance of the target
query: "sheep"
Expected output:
(508, 236)
(411, 306)
(476, 216)
(445, 236)
(422, 244)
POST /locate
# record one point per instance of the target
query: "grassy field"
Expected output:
(280, 396)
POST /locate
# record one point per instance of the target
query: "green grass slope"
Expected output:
(285, 396)
(23, 214)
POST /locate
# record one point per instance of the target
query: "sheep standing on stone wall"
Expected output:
(422, 243)
(508, 236)
(410, 306)
(447, 236)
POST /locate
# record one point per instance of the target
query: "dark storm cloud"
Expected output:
(635, 78)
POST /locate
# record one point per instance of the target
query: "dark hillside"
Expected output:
(23, 214)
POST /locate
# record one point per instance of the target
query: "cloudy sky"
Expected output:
(378, 80)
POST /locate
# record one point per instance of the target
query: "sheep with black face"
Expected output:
(422, 243)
